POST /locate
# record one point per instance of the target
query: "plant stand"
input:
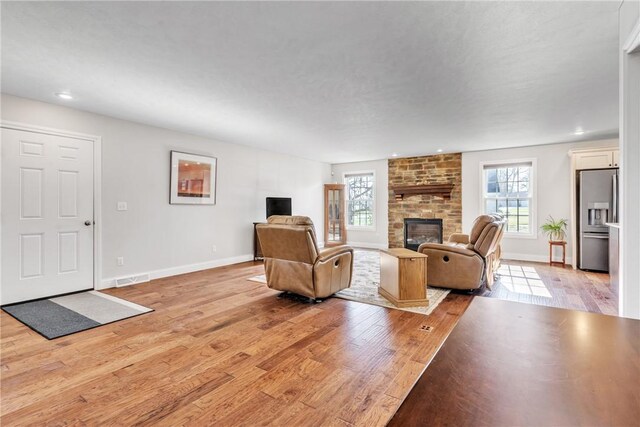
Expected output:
(563, 245)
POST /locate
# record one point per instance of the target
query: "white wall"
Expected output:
(154, 236)
(553, 191)
(630, 164)
(378, 238)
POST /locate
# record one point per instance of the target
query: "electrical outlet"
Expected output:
(122, 206)
(120, 261)
(214, 248)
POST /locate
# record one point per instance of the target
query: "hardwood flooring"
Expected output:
(222, 350)
(541, 284)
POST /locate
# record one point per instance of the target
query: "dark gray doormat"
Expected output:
(65, 315)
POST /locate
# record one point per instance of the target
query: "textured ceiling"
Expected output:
(329, 81)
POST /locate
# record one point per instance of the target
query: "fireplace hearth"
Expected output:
(421, 230)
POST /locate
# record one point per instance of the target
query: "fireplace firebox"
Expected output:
(421, 230)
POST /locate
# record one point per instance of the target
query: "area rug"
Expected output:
(65, 315)
(364, 285)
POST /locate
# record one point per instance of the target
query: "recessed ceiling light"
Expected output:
(579, 132)
(64, 95)
(439, 150)
(394, 154)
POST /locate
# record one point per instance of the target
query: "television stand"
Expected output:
(257, 250)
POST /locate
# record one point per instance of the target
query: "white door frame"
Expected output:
(628, 301)
(97, 184)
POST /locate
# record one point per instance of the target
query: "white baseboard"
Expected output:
(530, 258)
(174, 271)
(368, 245)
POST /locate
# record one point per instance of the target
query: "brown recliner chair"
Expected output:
(466, 261)
(293, 262)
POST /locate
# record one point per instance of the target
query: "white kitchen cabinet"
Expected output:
(597, 159)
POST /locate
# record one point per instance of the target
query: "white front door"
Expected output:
(47, 215)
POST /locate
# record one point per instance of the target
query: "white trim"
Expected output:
(531, 258)
(628, 293)
(97, 183)
(365, 245)
(182, 269)
(375, 196)
(46, 130)
(591, 150)
(632, 44)
(533, 210)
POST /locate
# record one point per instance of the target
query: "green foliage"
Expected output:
(555, 228)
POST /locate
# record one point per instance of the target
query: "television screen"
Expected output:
(278, 206)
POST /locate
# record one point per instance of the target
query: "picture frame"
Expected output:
(193, 179)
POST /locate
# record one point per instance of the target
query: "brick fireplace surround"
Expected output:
(439, 169)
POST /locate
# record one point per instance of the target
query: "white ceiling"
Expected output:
(330, 81)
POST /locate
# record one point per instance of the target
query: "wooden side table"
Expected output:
(563, 245)
(403, 277)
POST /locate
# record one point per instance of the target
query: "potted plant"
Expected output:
(555, 229)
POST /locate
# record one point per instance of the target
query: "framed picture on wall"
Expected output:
(193, 179)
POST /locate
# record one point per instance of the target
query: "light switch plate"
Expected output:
(122, 206)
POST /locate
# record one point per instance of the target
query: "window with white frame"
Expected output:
(508, 190)
(360, 192)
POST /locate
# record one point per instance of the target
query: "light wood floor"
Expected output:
(541, 284)
(220, 349)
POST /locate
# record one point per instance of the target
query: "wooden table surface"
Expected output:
(508, 363)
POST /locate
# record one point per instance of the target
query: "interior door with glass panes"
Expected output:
(334, 226)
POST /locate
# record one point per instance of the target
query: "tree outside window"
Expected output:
(508, 191)
(360, 199)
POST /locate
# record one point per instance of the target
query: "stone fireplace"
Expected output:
(425, 171)
(421, 230)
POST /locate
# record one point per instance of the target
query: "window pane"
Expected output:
(490, 206)
(492, 188)
(523, 189)
(360, 201)
(501, 206)
(508, 192)
(503, 189)
(523, 207)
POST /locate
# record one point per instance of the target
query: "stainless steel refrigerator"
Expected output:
(598, 201)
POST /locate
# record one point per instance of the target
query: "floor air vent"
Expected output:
(132, 280)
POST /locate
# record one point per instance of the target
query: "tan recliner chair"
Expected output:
(293, 262)
(466, 261)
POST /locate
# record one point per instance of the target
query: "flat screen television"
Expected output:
(278, 206)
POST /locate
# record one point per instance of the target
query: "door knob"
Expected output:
(87, 223)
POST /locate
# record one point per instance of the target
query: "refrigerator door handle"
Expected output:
(595, 236)
(615, 198)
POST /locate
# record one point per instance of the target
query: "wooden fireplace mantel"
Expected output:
(440, 190)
